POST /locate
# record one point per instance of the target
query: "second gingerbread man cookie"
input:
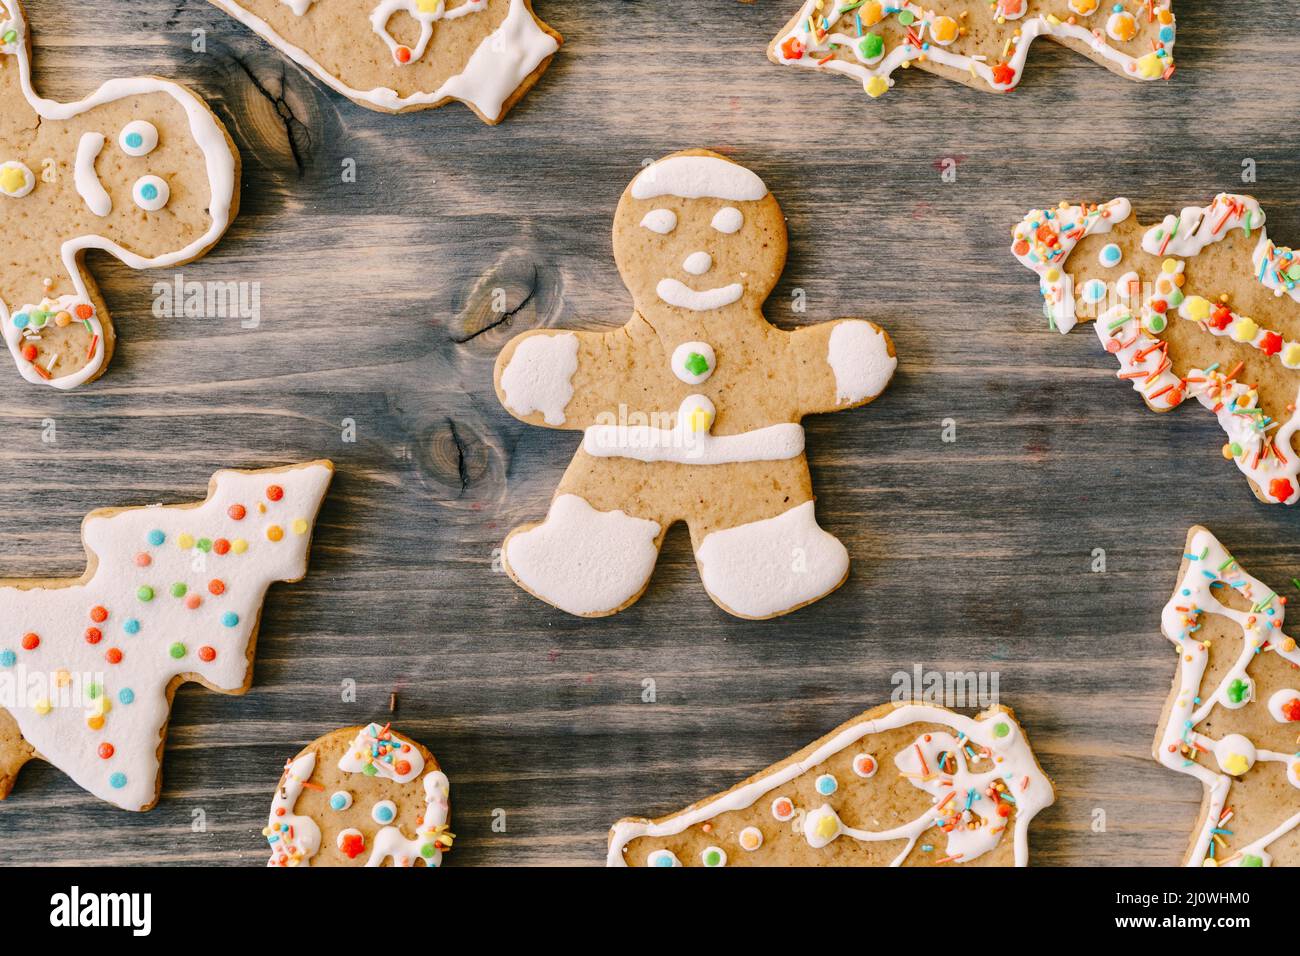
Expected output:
(691, 410)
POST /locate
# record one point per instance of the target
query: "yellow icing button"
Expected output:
(1150, 66)
(12, 179)
(826, 827)
(876, 86)
(239, 546)
(299, 526)
(700, 420)
(1197, 308)
(943, 29)
(1236, 765)
(1244, 330)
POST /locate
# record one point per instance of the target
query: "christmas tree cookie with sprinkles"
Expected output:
(905, 784)
(982, 43)
(1202, 305)
(361, 796)
(396, 56)
(691, 411)
(1232, 720)
(140, 169)
(171, 594)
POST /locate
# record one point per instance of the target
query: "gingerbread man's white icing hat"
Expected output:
(698, 177)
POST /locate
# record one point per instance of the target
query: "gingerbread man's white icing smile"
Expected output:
(691, 411)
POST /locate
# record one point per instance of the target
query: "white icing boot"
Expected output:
(584, 561)
(769, 567)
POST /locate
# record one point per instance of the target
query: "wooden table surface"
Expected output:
(376, 310)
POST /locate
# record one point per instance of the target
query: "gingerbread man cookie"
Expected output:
(401, 55)
(691, 410)
(171, 594)
(1201, 305)
(983, 45)
(901, 785)
(351, 797)
(1232, 720)
(140, 169)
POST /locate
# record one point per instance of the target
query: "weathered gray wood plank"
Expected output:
(973, 555)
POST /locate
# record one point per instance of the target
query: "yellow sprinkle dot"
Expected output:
(1198, 308)
(274, 533)
(239, 546)
(1150, 66)
(1244, 330)
(185, 542)
(42, 707)
(95, 722)
(64, 678)
(1053, 275)
(1169, 265)
(299, 526)
(1291, 354)
(1227, 451)
(877, 86)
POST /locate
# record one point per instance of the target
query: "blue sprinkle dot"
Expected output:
(7, 658)
(134, 140)
(156, 537)
(230, 619)
(117, 781)
(1166, 34)
(126, 695)
(149, 191)
(21, 320)
(131, 626)
(1094, 290)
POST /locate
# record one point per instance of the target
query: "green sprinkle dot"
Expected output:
(1001, 729)
(427, 850)
(93, 691)
(871, 46)
(144, 593)
(696, 364)
(1235, 449)
(179, 589)
(370, 770)
(1251, 860)
(1156, 323)
(712, 858)
(906, 17)
(204, 544)
(177, 650)
(11, 36)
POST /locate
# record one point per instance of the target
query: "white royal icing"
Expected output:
(219, 162)
(582, 560)
(1210, 567)
(539, 376)
(1015, 772)
(698, 177)
(223, 566)
(728, 220)
(293, 838)
(662, 221)
(674, 292)
(772, 566)
(690, 440)
(362, 754)
(682, 354)
(494, 71)
(859, 355)
(84, 177)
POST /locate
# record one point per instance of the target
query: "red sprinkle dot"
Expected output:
(94, 635)
(106, 751)
(221, 546)
(403, 55)
(114, 656)
(98, 614)
(29, 352)
(143, 560)
(207, 654)
(31, 642)
(192, 601)
(236, 512)
(403, 767)
(217, 586)
(274, 493)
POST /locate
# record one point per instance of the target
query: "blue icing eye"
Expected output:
(1110, 255)
(385, 811)
(156, 537)
(340, 800)
(826, 785)
(1094, 290)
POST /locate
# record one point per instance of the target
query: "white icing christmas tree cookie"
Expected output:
(691, 411)
(171, 593)
(984, 45)
(140, 169)
(1201, 305)
(1232, 720)
(361, 796)
(402, 55)
(901, 785)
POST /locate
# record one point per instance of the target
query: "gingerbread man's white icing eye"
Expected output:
(138, 138)
(728, 219)
(151, 193)
(662, 221)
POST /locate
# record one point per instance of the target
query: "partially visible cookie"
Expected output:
(360, 796)
(1233, 717)
(903, 784)
(401, 55)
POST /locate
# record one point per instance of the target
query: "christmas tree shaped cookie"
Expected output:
(983, 45)
(402, 55)
(1202, 305)
(140, 169)
(691, 411)
(901, 785)
(1232, 720)
(361, 796)
(171, 594)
